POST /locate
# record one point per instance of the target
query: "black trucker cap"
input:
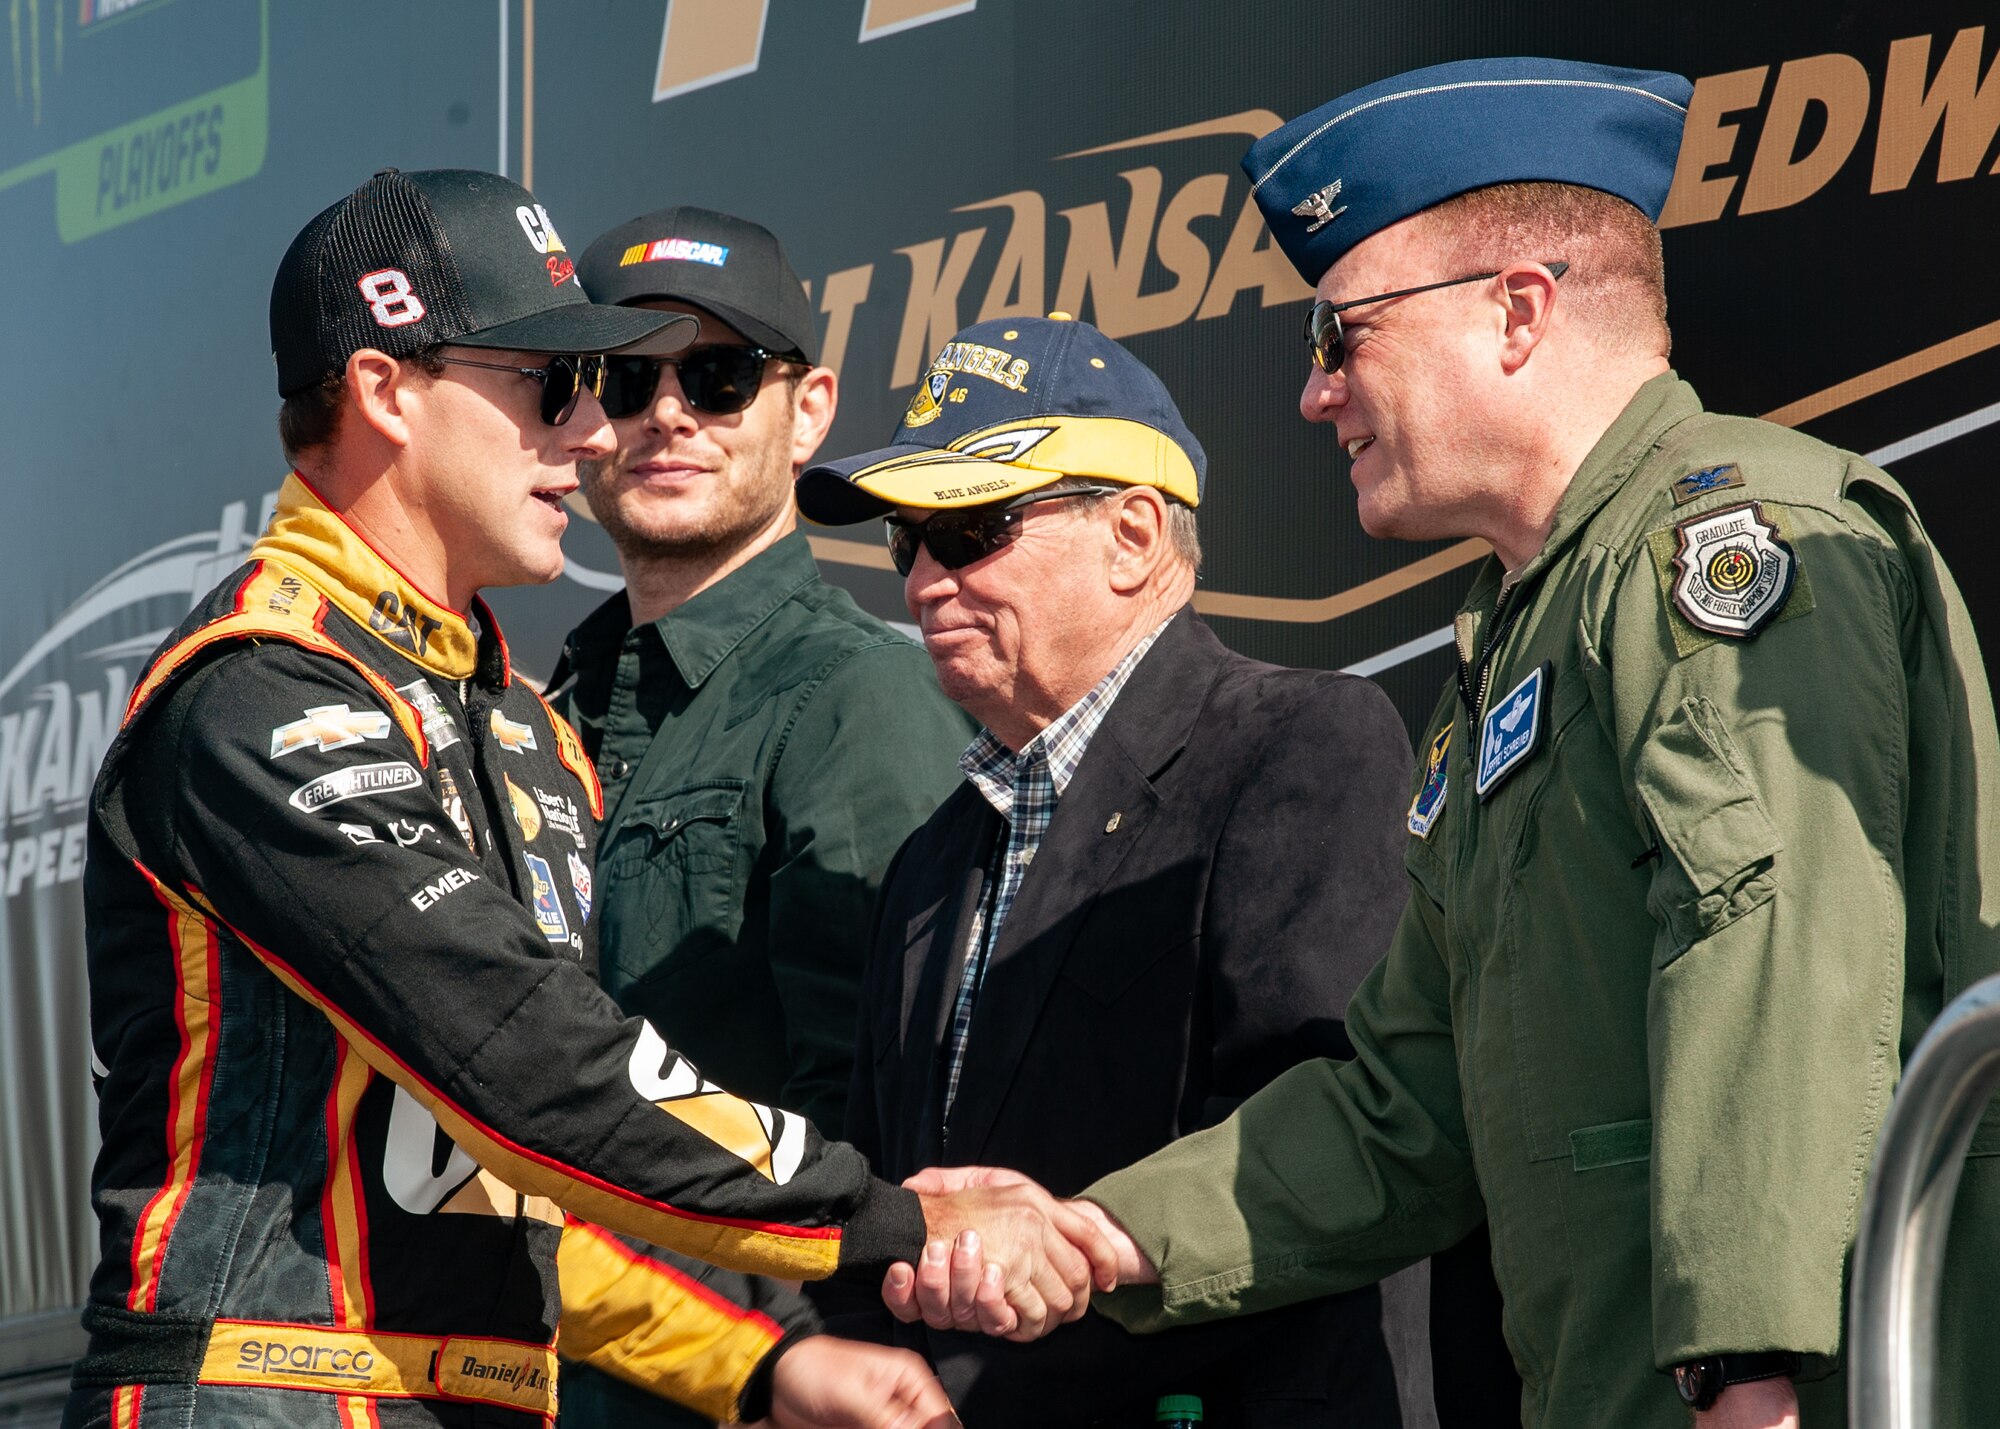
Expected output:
(407, 261)
(716, 262)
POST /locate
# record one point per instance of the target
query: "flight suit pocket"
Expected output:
(674, 863)
(1718, 847)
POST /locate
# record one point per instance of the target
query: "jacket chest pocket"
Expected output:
(672, 890)
(1573, 939)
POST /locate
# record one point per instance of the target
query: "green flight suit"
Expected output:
(1651, 995)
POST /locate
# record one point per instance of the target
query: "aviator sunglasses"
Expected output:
(563, 380)
(720, 380)
(956, 539)
(1327, 339)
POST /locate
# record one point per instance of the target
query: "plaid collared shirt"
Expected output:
(1024, 789)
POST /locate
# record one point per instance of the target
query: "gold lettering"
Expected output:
(845, 291)
(931, 313)
(886, 17)
(1839, 84)
(1968, 108)
(1251, 260)
(1183, 254)
(1019, 280)
(707, 41)
(1092, 266)
(1706, 142)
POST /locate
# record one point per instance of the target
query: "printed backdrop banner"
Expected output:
(927, 162)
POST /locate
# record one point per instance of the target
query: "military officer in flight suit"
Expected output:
(1702, 831)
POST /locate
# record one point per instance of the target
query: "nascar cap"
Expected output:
(408, 261)
(724, 265)
(1009, 406)
(1341, 174)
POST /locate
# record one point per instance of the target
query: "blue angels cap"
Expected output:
(1008, 406)
(1357, 164)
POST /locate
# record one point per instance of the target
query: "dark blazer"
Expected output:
(1218, 877)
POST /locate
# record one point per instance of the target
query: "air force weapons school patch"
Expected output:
(1731, 572)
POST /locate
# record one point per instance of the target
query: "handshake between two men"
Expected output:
(1005, 1257)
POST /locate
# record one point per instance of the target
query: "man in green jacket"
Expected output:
(1703, 830)
(764, 745)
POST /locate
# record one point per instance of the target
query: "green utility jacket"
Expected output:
(1651, 994)
(764, 750)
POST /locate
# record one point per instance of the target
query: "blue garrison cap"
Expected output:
(1008, 406)
(1334, 177)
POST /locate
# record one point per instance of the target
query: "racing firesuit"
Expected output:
(354, 1068)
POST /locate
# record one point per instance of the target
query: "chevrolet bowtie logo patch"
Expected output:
(512, 736)
(329, 727)
(1318, 207)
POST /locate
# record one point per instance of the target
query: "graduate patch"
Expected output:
(1512, 730)
(1710, 478)
(1732, 573)
(1429, 803)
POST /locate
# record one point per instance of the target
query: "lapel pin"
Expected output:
(1111, 824)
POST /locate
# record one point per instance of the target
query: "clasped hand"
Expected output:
(1005, 1257)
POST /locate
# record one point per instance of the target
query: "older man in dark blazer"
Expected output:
(1167, 870)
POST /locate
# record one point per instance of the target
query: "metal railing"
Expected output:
(1899, 1256)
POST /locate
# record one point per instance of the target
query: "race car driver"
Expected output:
(357, 1084)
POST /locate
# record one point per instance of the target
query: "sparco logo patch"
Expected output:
(354, 782)
(276, 1357)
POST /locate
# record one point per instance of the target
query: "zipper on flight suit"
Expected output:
(1505, 612)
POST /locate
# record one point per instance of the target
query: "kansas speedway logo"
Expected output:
(354, 782)
(1732, 573)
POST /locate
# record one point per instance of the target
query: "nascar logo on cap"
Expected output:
(685, 250)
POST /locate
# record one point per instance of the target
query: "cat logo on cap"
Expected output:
(541, 233)
(926, 406)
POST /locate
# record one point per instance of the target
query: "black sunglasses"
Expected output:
(563, 380)
(719, 380)
(956, 539)
(1326, 338)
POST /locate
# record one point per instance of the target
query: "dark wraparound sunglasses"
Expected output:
(563, 380)
(956, 539)
(1326, 338)
(720, 380)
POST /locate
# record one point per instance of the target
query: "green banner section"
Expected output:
(179, 153)
(185, 151)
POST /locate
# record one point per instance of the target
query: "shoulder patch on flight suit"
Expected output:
(1709, 478)
(1429, 801)
(1727, 574)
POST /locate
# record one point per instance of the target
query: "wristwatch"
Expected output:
(1702, 1381)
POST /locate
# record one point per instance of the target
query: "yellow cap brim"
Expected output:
(1003, 461)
